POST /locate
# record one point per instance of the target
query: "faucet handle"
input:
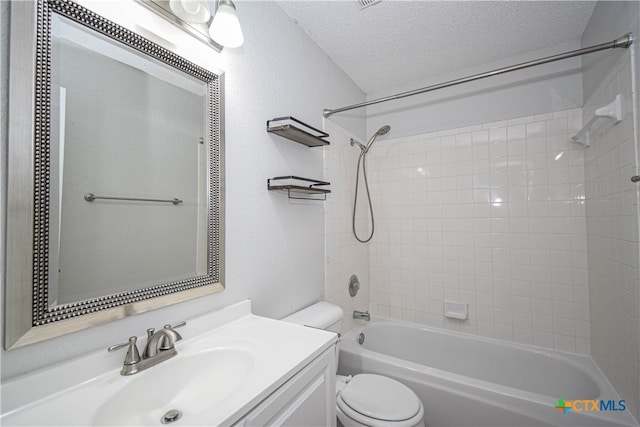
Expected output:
(170, 329)
(167, 341)
(133, 356)
(177, 325)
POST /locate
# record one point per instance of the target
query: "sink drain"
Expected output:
(171, 416)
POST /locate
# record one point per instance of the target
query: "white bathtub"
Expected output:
(464, 380)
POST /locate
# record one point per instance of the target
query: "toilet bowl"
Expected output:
(376, 401)
(364, 399)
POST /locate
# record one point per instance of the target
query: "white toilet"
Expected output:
(364, 399)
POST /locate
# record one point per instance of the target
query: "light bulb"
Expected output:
(225, 28)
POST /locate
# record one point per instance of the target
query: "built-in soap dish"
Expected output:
(456, 310)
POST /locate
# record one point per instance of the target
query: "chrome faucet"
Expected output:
(364, 315)
(160, 347)
(162, 340)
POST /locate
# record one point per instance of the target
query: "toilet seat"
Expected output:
(379, 401)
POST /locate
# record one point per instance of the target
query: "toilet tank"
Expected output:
(322, 315)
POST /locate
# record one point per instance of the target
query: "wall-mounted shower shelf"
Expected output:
(611, 111)
(299, 188)
(291, 128)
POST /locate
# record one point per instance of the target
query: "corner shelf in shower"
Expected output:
(291, 128)
(611, 111)
(299, 188)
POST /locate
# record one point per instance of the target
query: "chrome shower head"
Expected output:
(382, 131)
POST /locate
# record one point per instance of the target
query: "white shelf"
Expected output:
(611, 111)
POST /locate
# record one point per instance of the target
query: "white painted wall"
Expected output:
(551, 87)
(612, 201)
(274, 247)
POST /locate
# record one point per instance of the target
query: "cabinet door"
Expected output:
(307, 399)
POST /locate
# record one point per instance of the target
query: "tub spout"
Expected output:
(364, 315)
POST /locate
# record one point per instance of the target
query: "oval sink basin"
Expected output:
(188, 383)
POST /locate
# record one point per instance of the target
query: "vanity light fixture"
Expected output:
(225, 28)
(214, 22)
(192, 11)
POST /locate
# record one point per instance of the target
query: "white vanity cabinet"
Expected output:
(306, 399)
(237, 369)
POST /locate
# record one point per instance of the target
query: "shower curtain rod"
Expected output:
(622, 42)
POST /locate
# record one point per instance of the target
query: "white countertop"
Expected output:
(74, 394)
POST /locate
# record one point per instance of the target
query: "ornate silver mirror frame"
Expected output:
(28, 318)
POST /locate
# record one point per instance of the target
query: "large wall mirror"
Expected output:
(115, 185)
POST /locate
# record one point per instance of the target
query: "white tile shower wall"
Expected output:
(344, 254)
(612, 233)
(490, 215)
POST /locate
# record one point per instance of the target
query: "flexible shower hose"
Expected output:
(362, 158)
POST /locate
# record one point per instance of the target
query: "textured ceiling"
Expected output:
(397, 42)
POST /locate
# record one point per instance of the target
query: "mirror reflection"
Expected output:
(128, 128)
(122, 150)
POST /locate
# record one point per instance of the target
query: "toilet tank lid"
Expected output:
(319, 315)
